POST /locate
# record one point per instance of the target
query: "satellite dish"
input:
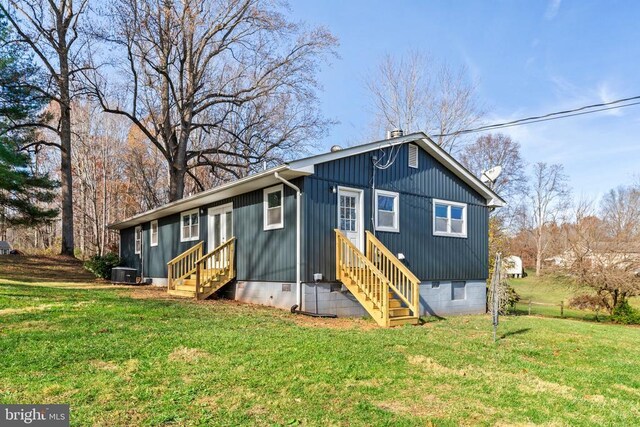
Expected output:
(490, 175)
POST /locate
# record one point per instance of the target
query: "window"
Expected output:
(449, 218)
(458, 290)
(413, 156)
(273, 217)
(138, 239)
(387, 211)
(154, 233)
(190, 229)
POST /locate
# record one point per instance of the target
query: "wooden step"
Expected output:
(190, 288)
(182, 293)
(403, 320)
(399, 312)
(395, 303)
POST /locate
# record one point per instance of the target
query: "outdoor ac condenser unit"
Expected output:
(123, 275)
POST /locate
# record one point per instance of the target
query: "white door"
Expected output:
(220, 227)
(350, 216)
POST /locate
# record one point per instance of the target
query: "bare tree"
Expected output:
(549, 199)
(498, 150)
(50, 28)
(601, 261)
(224, 84)
(414, 93)
(621, 210)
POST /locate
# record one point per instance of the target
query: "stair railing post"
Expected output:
(197, 279)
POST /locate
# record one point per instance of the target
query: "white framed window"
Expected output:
(449, 218)
(413, 156)
(138, 239)
(458, 290)
(189, 226)
(153, 240)
(387, 211)
(273, 211)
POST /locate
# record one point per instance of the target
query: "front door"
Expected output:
(220, 227)
(350, 216)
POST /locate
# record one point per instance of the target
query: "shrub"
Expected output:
(589, 302)
(101, 265)
(625, 314)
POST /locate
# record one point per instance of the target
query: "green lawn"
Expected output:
(123, 360)
(548, 291)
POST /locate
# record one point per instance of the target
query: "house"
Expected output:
(513, 266)
(394, 228)
(5, 248)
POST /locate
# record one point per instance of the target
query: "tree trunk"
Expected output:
(176, 183)
(538, 255)
(66, 178)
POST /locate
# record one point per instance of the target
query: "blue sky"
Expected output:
(527, 58)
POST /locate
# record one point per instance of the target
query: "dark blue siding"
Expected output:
(429, 257)
(260, 255)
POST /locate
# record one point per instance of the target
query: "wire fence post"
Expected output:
(561, 308)
(495, 281)
(529, 307)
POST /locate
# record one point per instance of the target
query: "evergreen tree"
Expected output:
(23, 193)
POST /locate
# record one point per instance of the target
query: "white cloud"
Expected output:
(552, 9)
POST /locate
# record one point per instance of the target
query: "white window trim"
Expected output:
(396, 210)
(182, 215)
(448, 233)
(137, 232)
(151, 234)
(265, 207)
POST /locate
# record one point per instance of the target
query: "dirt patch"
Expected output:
(104, 365)
(627, 389)
(185, 354)
(433, 366)
(536, 385)
(336, 323)
(428, 406)
(41, 307)
(52, 268)
(149, 292)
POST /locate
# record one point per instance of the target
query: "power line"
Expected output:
(551, 116)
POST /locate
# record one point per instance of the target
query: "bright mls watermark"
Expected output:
(34, 415)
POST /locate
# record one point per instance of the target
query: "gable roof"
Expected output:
(306, 166)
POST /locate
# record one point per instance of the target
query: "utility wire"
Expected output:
(551, 116)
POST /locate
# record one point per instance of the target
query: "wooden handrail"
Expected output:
(351, 261)
(215, 266)
(184, 264)
(402, 281)
(187, 252)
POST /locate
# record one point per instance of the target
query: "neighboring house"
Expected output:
(513, 266)
(5, 248)
(394, 228)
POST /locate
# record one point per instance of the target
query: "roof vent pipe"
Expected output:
(396, 133)
(335, 148)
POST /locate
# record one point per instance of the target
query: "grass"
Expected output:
(132, 356)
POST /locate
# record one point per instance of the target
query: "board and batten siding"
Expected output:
(260, 255)
(429, 257)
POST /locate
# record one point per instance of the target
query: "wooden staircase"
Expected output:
(384, 286)
(194, 275)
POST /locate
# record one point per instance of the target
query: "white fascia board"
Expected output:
(235, 188)
(493, 200)
(352, 151)
(426, 143)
